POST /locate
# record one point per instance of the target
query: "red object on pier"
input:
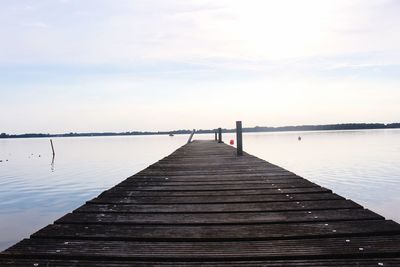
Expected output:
(231, 142)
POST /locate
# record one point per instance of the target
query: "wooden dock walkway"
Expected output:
(204, 206)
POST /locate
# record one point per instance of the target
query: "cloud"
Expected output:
(287, 61)
(35, 24)
(95, 32)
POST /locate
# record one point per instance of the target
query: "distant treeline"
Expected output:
(328, 127)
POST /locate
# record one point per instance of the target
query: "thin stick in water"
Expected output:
(52, 147)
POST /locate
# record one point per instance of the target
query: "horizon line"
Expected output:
(306, 127)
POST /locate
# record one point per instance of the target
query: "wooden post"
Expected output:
(219, 135)
(216, 137)
(191, 136)
(239, 139)
(52, 147)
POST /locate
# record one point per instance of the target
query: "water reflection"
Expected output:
(52, 163)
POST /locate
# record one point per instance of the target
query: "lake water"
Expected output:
(361, 165)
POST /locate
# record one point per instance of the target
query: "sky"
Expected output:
(125, 65)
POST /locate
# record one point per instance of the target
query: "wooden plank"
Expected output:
(103, 199)
(219, 218)
(221, 169)
(225, 187)
(169, 182)
(359, 262)
(388, 246)
(226, 207)
(239, 192)
(213, 177)
(218, 232)
(214, 172)
(207, 166)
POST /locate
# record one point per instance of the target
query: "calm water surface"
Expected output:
(361, 165)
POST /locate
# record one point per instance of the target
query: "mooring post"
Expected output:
(52, 147)
(216, 137)
(219, 135)
(191, 136)
(239, 139)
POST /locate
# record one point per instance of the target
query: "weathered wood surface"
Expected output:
(203, 206)
(229, 207)
(218, 232)
(219, 218)
(360, 262)
(206, 193)
(211, 199)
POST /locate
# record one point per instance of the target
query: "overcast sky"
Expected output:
(122, 65)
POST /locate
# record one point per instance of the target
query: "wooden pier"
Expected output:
(204, 206)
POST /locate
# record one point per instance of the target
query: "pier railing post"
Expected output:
(219, 135)
(216, 137)
(239, 139)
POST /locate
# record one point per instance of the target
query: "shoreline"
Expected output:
(306, 128)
